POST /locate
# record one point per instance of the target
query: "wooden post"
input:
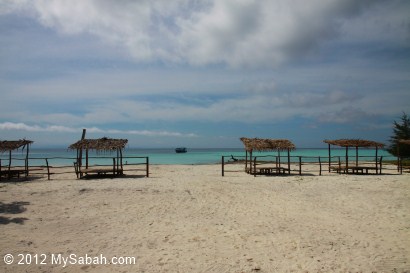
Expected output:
(288, 161)
(147, 166)
(246, 160)
(377, 149)
(26, 160)
(86, 158)
(329, 156)
(118, 162)
(320, 166)
(300, 165)
(250, 161)
(340, 165)
(122, 166)
(9, 164)
(347, 159)
(380, 164)
(80, 156)
(48, 169)
(113, 166)
(223, 170)
(357, 156)
(254, 167)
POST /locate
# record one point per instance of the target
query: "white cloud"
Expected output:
(233, 32)
(64, 129)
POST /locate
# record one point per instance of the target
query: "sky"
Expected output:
(203, 73)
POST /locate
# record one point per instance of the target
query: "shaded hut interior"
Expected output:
(264, 145)
(107, 145)
(12, 145)
(355, 143)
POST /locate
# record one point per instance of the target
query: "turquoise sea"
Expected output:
(64, 157)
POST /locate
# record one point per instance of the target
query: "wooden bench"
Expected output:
(270, 170)
(98, 170)
(16, 172)
(355, 169)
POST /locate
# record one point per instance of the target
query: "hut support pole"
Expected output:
(80, 155)
(377, 167)
(329, 156)
(246, 161)
(347, 159)
(250, 162)
(113, 166)
(122, 166)
(340, 165)
(9, 164)
(118, 162)
(357, 156)
(86, 158)
(26, 160)
(300, 165)
(254, 167)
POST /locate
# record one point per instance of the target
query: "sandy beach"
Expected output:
(188, 218)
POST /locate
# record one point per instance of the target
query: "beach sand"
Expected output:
(188, 218)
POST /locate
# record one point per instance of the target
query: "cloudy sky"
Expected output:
(202, 73)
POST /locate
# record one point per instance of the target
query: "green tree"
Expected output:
(400, 131)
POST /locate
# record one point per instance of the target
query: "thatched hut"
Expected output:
(9, 146)
(258, 144)
(100, 145)
(356, 143)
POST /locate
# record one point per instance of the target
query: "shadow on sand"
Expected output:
(12, 208)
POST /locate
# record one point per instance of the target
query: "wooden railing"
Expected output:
(70, 166)
(274, 164)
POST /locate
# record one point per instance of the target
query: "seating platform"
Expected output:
(270, 171)
(16, 172)
(355, 169)
(97, 170)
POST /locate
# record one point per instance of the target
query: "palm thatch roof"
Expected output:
(354, 143)
(9, 145)
(404, 141)
(266, 144)
(101, 144)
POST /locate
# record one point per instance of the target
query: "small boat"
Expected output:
(180, 150)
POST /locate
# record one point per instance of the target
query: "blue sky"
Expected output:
(203, 73)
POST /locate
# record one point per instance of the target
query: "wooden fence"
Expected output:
(133, 164)
(298, 165)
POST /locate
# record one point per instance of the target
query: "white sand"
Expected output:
(191, 219)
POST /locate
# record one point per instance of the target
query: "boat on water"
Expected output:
(180, 150)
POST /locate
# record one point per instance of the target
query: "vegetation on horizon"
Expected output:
(400, 131)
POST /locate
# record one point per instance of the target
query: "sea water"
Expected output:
(64, 157)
